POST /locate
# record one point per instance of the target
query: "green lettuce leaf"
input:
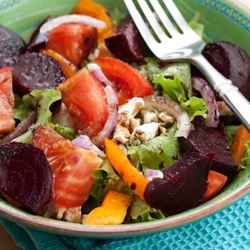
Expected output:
(245, 162)
(195, 107)
(20, 109)
(140, 211)
(158, 153)
(41, 100)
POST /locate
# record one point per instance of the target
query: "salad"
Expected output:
(96, 130)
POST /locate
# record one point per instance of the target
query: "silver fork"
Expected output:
(185, 46)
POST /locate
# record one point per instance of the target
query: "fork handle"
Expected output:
(229, 93)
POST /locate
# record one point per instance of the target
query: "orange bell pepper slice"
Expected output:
(112, 211)
(238, 148)
(216, 182)
(90, 8)
(69, 68)
(130, 174)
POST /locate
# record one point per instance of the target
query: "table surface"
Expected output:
(6, 242)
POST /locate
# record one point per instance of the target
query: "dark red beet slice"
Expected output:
(127, 43)
(34, 71)
(38, 40)
(183, 185)
(11, 44)
(25, 174)
(232, 62)
(211, 140)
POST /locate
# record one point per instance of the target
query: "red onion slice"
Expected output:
(152, 174)
(83, 141)
(161, 103)
(109, 126)
(51, 24)
(208, 96)
(97, 71)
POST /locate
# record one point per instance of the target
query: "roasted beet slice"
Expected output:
(183, 185)
(211, 140)
(11, 44)
(126, 43)
(232, 62)
(34, 71)
(25, 174)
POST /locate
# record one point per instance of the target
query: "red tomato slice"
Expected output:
(127, 81)
(72, 167)
(85, 99)
(73, 41)
(45, 137)
(7, 121)
(216, 181)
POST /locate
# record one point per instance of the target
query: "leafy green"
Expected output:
(41, 100)
(245, 162)
(158, 153)
(195, 107)
(139, 211)
(20, 109)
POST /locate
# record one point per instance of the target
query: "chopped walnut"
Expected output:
(149, 117)
(165, 117)
(73, 214)
(60, 212)
(133, 123)
(145, 132)
(121, 134)
(130, 109)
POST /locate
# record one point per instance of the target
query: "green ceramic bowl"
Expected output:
(223, 20)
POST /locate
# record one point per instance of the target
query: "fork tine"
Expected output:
(152, 20)
(177, 16)
(164, 18)
(141, 25)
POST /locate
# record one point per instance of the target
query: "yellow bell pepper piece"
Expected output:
(112, 211)
(130, 174)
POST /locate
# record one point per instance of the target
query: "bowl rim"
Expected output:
(128, 230)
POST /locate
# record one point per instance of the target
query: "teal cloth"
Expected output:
(228, 229)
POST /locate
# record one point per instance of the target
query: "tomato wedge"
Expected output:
(127, 81)
(73, 41)
(216, 182)
(85, 99)
(7, 121)
(71, 166)
(90, 8)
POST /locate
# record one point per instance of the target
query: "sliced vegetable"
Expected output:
(131, 175)
(238, 148)
(208, 96)
(72, 167)
(112, 211)
(161, 103)
(90, 8)
(45, 137)
(86, 101)
(74, 41)
(69, 68)
(216, 182)
(112, 117)
(136, 85)
(87, 20)
(7, 121)
(28, 166)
